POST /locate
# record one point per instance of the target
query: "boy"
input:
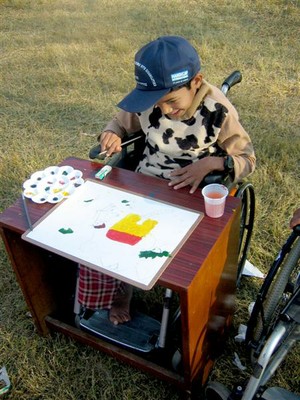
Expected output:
(191, 129)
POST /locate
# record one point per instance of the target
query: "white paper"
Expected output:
(92, 211)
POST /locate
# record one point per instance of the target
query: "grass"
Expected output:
(64, 65)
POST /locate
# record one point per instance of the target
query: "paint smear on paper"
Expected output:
(153, 254)
(128, 230)
(88, 201)
(101, 226)
(65, 231)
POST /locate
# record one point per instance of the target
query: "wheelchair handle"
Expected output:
(234, 78)
(296, 229)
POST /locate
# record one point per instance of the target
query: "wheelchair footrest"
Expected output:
(141, 333)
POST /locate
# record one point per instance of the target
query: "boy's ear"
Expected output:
(197, 80)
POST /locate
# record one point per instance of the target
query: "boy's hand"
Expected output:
(193, 174)
(111, 142)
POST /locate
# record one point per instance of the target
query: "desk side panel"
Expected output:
(210, 302)
(46, 280)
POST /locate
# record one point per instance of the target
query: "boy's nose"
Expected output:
(165, 108)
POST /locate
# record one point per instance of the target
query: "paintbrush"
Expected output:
(94, 152)
(26, 212)
(122, 144)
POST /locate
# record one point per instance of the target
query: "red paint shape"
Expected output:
(123, 237)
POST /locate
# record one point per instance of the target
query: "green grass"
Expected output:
(64, 65)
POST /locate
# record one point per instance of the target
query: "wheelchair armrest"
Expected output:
(113, 160)
(218, 177)
(95, 151)
(136, 139)
(132, 149)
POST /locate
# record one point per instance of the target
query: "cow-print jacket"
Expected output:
(210, 127)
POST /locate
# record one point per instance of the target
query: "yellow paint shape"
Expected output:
(130, 225)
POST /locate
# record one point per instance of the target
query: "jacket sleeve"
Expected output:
(233, 138)
(237, 143)
(123, 123)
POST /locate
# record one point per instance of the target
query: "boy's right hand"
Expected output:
(110, 142)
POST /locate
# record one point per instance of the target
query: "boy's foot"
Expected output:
(119, 312)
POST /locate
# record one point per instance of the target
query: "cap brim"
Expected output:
(140, 100)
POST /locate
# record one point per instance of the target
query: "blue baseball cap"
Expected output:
(161, 65)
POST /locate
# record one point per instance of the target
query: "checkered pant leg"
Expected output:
(97, 290)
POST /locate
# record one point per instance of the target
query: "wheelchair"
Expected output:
(273, 328)
(155, 332)
(132, 150)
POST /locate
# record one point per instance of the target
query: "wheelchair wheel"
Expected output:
(279, 292)
(246, 193)
(216, 391)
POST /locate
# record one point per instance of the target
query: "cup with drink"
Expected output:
(214, 199)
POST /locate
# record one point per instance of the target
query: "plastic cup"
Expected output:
(214, 199)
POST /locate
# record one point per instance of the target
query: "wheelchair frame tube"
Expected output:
(165, 319)
(259, 369)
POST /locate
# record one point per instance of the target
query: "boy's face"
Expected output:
(176, 103)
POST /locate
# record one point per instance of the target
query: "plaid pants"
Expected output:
(97, 290)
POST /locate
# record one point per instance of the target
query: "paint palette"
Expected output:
(53, 184)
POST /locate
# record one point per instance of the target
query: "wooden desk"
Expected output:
(202, 273)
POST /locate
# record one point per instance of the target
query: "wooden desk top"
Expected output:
(181, 271)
